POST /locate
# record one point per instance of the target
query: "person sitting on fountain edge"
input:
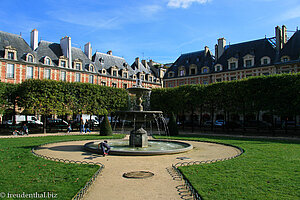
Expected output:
(104, 148)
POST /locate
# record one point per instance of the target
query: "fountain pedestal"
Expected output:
(138, 138)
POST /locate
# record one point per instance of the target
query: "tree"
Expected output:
(172, 125)
(105, 127)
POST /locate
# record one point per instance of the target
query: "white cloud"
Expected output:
(150, 9)
(185, 3)
(290, 14)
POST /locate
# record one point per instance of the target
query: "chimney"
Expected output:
(151, 63)
(137, 62)
(144, 62)
(221, 46)
(34, 35)
(216, 52)
(206, 49)
(284, 35)
(65, 45)
(109, 52)
(88, 50)
(278, 38)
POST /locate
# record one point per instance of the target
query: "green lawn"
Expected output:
(268, 169)
(21, 171)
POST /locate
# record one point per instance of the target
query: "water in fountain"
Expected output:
(138, 140)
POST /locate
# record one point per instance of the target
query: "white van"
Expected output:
(30, 118)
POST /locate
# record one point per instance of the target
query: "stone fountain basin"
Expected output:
(156, 147)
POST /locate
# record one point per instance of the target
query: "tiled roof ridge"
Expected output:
(12, 34)
(110, 55)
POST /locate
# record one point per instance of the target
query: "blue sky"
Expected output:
(151, 29)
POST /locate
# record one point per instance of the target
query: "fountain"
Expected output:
(138, 139)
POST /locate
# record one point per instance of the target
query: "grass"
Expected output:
(269, 169)
(21, 171)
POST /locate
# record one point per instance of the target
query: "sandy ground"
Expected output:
(111, 184)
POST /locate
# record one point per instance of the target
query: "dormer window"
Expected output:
(248, 60)
(29, 58)
(265, 60)
(181, 71)
(101, 61)
(248, 63)
(11, 55)
(218, 68)
(198, 59)
(232, 63)
(205, 70)
(187, 61)
(285, 59)
(150, 78)
(103, 71)
(134, 76)
(193, 69)
(47, 61)
(157, 80)
(125, 65)
(142, 77)
(114, 72)
(63, 63)
(125, 74)
(91, 67)
(171, 74)
(77, 66)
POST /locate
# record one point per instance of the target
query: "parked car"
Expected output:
(8, 122)
(258, 124)
(219, 123)
(207, 123)
(56, 123)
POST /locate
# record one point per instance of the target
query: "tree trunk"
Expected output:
(45, 124)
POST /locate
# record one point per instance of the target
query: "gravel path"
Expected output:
(111, 184)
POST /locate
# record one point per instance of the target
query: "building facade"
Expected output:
(232, 62)
(62, 62)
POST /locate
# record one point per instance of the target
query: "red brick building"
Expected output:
(47, 60)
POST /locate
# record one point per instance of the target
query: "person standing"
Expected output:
(81, 126)
(69, 129)
(87, 126)
(25, 129)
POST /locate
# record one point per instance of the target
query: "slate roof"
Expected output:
(292, 47)
(258, 48)
(140, 68)
(17, 42)
(78, 54)
(109, 61)
(198, 58)
(52, 50)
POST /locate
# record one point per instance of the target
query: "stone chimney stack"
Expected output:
(221, 46)
(284, 35)
(65, 45)
(109, 52)
(144, 62)
(88, 50)
(216, 52)
(278, 35)
(206, 50)
(34, 39)
(151, 63)
(137, 62)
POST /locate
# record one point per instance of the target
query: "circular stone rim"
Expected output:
(149, 174)
(143, 153)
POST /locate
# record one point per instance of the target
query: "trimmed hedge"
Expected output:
(105, 127)
(276, 94)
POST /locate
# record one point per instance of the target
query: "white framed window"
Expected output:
(205, 70)
(114, 85)
(193, 69)
(265, 60)
(150, 78)
(285, 59)
(248, 60)
(29, 72)
(232, 63)
(218, 68)
(125, 86)
(103, 83)
(91, 79)
(48, 61)
(63, 63)
(248, 63)
(142, 77)
(91, 68)
(77, 66)
(47, 74)
(10, 70)
(63, 76)
(125, 75)
(77, 77)
(11, 55)
(29, 58)
(233, 78)
(114, 72)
